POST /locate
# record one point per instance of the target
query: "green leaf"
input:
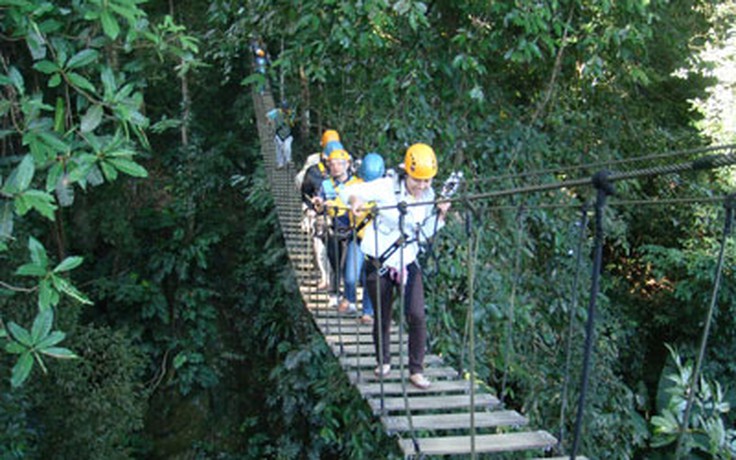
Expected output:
(42, 325)
(59, 353)
(22, 369)
(55, 80)
(109, 24)
(38, 252)
(69, 263)
(92, 118)
(67, 288)
(14, 347)
(51, 340)
(82, 58)
(20, 179)
(109, 171)
(46, 67)
(80, 81)
(31, 269)
(6, 220)
(42, 202)
(20, 334)
(129, 167)
(17, 79)
(47, 296)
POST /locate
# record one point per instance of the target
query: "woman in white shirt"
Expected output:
(392, 260)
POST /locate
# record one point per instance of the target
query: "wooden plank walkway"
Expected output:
(441, 415)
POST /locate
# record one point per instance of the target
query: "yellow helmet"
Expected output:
(420, 161)
(339, 154)
(329, 135)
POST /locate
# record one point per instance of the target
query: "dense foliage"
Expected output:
(144, 281)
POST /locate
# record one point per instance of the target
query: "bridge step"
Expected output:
(426, 403)
(488, 443)
(455, 421)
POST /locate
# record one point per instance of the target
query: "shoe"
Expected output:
(323, 285)
(420, 381)
(382, 371)
(332, 301)
(366, 319)
(347, 307)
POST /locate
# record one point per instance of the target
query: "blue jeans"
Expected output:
(353, 270)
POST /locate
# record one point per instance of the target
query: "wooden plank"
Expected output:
(458, 445)
(353, 361)
(395, 388)
(365, 339)
(365, 376)
(423, 403)
(562, 457)
(456, 420)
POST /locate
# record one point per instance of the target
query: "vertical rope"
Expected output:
(512, 303)
(604, 188)
(692, 387)
(378, 324)
(583, 222)
(473, 244)
(402, 319)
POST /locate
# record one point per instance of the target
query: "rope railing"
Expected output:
(603, 164)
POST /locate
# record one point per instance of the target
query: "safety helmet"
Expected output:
(372, 167)
(330, 147)
(339, 154)
(420, 161)
(260, 52)
(328, 136)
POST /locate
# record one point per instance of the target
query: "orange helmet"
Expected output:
(329, 135)
(420, 161)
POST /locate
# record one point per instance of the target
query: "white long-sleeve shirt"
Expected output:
(420, 223)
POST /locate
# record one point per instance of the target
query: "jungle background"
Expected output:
(147, 309)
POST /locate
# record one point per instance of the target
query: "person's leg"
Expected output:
(279, 151)
(320, 252)
(380, 290)
(353, 262)
(416, 318)
(287, 149)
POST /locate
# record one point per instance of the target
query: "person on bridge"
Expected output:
(309, 182)
(282, 120)
(392, 246)
(371, 167)
(339, 229)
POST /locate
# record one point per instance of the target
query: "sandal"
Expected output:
(420, 381)
(382, 371)
(366, 319)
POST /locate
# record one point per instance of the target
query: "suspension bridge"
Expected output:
(456, 416)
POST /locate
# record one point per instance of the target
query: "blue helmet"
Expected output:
(372, 167)
(332, 145)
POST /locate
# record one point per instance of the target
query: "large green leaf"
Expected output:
(38, 252)
(47, 296)
(69, 263)
(109, 24)
(128, 167)
(31, 269)
(20, 179)
(59, 353)
(42, 325)
(82, 58)
(50, 340)
(81, 82)
(46, 66)
(6, 219)
(92, 118)
(22, 369)
(67, 288)
(20, 334)
(41, 201)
